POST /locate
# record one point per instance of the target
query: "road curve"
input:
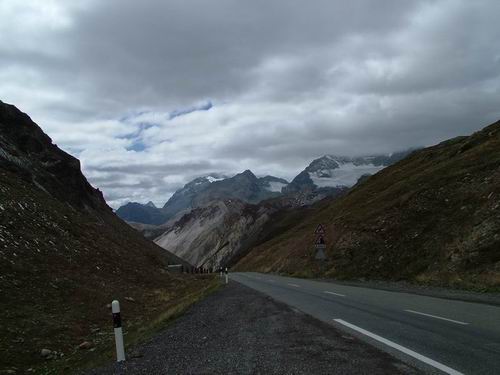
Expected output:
(437, 335)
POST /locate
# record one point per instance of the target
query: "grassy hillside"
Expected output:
(64, 256)
(433, 217)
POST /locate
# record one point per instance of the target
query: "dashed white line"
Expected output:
(295, 285)
(437, 317)
(335, 294)
(407, 351)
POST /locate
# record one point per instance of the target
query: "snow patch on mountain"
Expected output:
(214, 179)
(346, 174)
(275, 186)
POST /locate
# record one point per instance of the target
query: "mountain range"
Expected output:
(325, 176)
(244, 186)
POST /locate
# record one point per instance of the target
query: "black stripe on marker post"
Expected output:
(117, 320)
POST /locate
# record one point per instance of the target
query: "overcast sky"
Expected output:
(150, 94)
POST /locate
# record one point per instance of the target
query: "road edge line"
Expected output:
(407, 351)
(335, 294)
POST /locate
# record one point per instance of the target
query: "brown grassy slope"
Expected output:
(433, 217)
(64, 256)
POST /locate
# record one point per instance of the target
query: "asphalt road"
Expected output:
(238, 330)
(433, 334)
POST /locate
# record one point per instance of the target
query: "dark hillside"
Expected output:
(433, 217)
(64, 256)
(26, 150)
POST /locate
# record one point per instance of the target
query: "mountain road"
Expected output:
(434, 334)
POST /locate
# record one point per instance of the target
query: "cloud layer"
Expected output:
(151, 94)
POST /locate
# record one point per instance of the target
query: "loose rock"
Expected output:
(85, 345)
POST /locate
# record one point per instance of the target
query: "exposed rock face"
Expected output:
(212, 235)
(30, 153)
(433, 217)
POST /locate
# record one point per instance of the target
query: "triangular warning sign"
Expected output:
(320, 229)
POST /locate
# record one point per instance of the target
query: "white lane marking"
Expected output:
(295, 285)
(271, 280)
(437, 317)
(407, 351)
(335, 294)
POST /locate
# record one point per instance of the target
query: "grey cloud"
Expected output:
(155, 169)
(289, 80)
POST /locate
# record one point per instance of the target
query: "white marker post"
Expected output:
(117, 324)
(226, 276)
(221, 272)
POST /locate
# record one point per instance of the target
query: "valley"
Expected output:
(259, 187)
(218, 219)
(425, 217)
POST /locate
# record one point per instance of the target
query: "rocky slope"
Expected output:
(433, 217)
(64, 255)
(220, 233)
(209, 236)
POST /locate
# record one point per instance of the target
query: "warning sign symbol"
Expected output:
(320, 240)
(320, 229)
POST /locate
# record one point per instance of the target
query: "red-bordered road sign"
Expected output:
(320, 229)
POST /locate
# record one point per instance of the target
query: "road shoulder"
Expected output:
(239, 330)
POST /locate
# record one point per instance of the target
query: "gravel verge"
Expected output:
(238, 330)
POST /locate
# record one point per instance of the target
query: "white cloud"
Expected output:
(288, 84)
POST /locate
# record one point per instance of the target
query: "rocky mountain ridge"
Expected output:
(325, 176)
(203, 190)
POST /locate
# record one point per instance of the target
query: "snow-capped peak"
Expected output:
(336, 171)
